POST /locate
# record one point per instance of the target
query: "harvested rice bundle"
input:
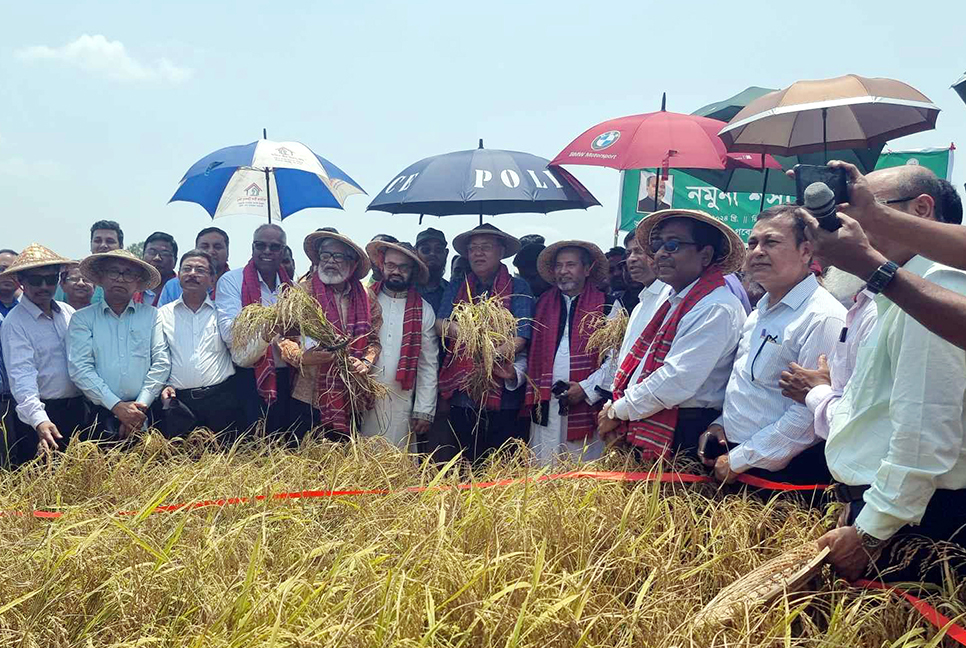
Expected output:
(786, 573)
(605, 334)
(484, 334)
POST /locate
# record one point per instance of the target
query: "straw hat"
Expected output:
(377, 253)
(35, 256)
(733, 254)
(89, 267)
(310, 246)
(548, 257)
(462, 242)
(788, 572)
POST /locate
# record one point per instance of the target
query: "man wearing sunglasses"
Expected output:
(670, 385)
(264, 383)
(49, 407)
(760, 431)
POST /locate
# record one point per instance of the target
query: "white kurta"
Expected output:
(549, 442)
(390, 416)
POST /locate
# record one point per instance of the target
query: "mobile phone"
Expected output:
(559, 388)
(834, 178)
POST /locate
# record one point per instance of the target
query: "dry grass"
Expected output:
(605, 334)
(484, 330)
(561, 563)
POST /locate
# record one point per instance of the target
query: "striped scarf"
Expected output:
(455, 370)
(655, 434)
(581, 420)
(412, 333)
(332, 397)
(251, 293)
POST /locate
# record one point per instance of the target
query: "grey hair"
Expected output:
(270, 226)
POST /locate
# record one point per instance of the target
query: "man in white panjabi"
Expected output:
(409, 360)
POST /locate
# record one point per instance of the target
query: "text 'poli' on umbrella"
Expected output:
(265, 178)
(482, 181)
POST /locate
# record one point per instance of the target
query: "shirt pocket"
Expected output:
(139, 345)
(769, 360)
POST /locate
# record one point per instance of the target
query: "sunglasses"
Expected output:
(261, 246)
(671, 246)
(37, 281)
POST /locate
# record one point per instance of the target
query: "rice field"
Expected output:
(573, 562)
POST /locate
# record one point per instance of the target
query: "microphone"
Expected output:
(820, 202)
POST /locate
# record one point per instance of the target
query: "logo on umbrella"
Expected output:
(253, 190)
(605, 140)
(284, 151)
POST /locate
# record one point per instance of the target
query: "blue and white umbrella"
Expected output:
(247, 179)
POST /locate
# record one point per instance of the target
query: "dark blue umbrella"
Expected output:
(482, 181)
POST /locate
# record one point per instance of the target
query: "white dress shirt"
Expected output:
(228, 303)
(390, 416)
(696, 369)
(651, 299)
(549, 441)
(199, 356)
(822, 399)
(770, 428)
(900, 424)
(35, 351)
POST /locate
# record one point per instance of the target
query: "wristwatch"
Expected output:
(870, 543)
(881, 277)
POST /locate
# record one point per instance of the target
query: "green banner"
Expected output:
(737, 210)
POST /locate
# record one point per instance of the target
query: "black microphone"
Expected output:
(820, 202)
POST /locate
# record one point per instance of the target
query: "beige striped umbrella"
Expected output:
(845, 112)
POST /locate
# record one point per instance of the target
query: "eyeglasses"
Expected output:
(38, 280)
(125, 275)
(261, 246)
(485, 248)
(198, 270)
(893, 201)
(71, 281)
(338, 257)
(153, 252)
(389, 266)
(671, 246)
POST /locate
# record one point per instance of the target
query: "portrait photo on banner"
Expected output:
(655, 193)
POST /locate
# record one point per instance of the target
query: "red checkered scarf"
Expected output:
(251, 293)
(455, 370)
(412, 336)
(581, 420)
(656, 433)
(332, 397)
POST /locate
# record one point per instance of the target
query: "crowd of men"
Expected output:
(805, 356)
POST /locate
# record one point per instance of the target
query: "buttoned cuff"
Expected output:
(109, 401)
(145, 398)
(816, 396)
(590, 394)
(878, 524)
(620, 409)
(38, 417)
(739, 460)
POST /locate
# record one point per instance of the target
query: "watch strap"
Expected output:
(881, 277)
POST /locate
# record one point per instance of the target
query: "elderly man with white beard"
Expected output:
(322, 398)
(409, 358)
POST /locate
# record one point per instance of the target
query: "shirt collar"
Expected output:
(393, 293)
(654, 289)
(35, 311)
(795, 297)
(180, 302)
(106, 308)
(684, 293)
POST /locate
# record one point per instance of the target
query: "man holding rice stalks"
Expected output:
(409, 358)
(334, 386)
(484, 321)
(264, 384)
(564, 371)
(671, 384)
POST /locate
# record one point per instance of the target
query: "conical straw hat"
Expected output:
(151, 278)
(35, 256)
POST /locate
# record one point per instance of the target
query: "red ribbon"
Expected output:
(931, 614)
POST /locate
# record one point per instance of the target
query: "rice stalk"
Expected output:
(485, 330)
(605, 334)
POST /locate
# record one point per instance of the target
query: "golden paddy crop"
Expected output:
(572, 562)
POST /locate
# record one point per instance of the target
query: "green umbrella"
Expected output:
(725, 110)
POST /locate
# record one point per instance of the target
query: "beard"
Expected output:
(396, 283)
(842, 285)
(332, 277)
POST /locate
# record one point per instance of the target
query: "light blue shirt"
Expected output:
(113, 359)
(170, 292)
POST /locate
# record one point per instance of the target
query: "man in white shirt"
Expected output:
(896, 443)
(264, 381)
(796, 321)
(50, 408)
(565, 376)
(409, 359)
(199, 391)
(671, 384)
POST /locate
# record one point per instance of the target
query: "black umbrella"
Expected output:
(960, 87)
(482, 181)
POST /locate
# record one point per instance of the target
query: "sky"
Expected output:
(104, 106)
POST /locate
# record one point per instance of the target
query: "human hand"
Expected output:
(715, 434)
(130, 414)
(49, 435)
(862, 205)
(167, 394)
(358, 366)
(847, 248)
(506, 350)
(722, 470)
(798, 381)
(504, 370)
(316, 357)
(419, 427)
(847, 554)
(575, 393)
(291, 352)
(605, 424)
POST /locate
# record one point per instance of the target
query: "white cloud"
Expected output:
(98, 55)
